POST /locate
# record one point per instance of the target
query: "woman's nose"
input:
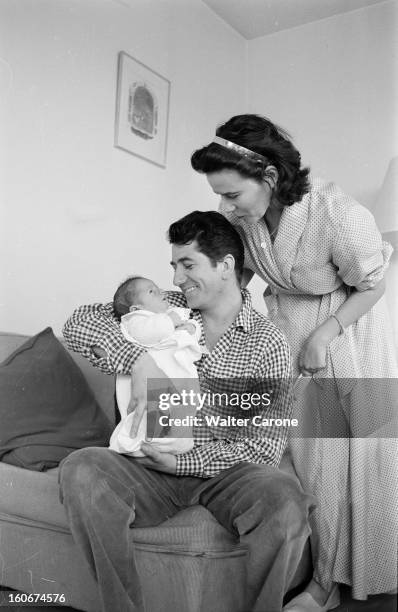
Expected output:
(228, 206)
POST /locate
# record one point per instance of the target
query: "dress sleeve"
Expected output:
(358, 250)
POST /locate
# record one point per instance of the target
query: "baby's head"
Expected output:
(139, 292)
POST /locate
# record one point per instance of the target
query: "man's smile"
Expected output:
(188, 290)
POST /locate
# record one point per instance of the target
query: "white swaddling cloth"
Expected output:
(174, 351)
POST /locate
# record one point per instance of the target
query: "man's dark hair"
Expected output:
(215, 236)
(124, 296)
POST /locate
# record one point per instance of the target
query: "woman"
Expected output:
(323, 260)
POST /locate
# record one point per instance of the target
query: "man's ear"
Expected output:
(271, 176)
(228, 266)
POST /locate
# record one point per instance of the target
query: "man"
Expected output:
(232, 469)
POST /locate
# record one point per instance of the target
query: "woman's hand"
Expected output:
(312, 357)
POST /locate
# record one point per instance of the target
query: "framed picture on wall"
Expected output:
(142, 110)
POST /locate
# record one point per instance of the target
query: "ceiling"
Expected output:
(254, 18)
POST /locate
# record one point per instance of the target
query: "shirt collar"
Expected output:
(245, 318)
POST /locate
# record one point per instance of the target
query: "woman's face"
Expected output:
(245, 197)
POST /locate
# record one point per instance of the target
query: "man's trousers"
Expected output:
(106, 494)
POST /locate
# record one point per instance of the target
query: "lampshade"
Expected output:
(386, 207)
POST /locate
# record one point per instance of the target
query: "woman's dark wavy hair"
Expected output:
(215, 236)
(262, 136)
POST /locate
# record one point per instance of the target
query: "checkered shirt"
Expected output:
(252, 356)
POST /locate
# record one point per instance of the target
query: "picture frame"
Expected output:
(142, 110)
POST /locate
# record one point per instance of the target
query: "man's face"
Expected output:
(194, 273)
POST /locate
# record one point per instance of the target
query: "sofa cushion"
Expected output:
(48, 409)
(31, 497)
(102, 385)
(192, 529)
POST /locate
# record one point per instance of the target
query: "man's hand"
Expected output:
(99, 352)
(144, 368)
(161, 462)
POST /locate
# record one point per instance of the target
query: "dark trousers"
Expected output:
(105, 494)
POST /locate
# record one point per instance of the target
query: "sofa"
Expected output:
(189, 563)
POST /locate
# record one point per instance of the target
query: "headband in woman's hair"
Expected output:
(227, 144)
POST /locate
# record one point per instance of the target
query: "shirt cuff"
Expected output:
(189, 464)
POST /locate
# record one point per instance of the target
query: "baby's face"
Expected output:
(149, 296)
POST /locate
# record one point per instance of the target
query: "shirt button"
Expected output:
(263, 245)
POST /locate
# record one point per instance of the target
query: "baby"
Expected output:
(145, 314)
(171, 338)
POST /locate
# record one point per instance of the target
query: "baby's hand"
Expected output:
(189, 327)
(177, 321)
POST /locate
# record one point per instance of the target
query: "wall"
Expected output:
(333, 85)
(79, 215)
